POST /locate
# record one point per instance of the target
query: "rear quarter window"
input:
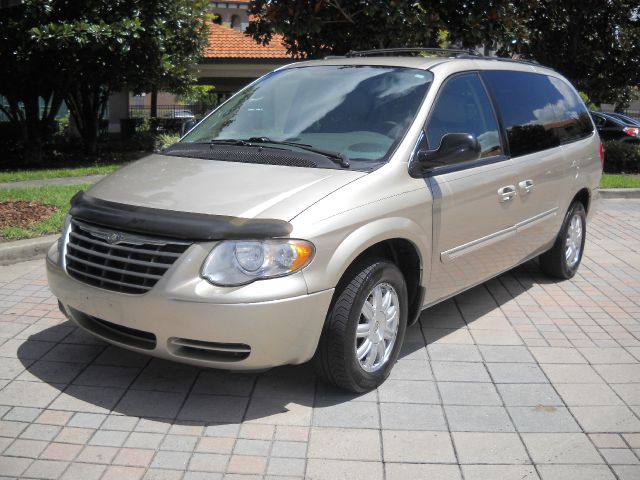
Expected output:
(538, 111)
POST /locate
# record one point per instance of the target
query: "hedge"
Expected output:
(621, 157)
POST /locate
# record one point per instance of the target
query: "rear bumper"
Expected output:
(177, 322)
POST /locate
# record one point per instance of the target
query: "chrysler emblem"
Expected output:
(114, 237)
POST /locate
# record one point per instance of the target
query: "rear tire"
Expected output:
(563, 259)
(364, 328)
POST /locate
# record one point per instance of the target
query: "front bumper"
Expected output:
(183, 309)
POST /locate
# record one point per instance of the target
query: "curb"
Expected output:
(23, 250)
(620, 193)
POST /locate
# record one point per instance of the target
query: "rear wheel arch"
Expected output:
(583, 196)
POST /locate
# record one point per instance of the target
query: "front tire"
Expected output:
(563, 259)
(364, 328)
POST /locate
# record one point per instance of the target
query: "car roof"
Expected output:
(624, 118)
(430, 63)
(609, 117)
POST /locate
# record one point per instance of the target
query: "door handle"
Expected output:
(506, 193)
(526, 186)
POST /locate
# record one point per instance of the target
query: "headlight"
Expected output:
(238, 262)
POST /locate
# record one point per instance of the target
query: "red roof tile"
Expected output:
(225, 42)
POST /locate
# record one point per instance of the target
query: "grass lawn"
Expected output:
(58, 195)
(620, 181)
(17, 176)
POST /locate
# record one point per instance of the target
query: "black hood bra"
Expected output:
(174, 224)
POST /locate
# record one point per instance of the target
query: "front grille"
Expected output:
(118, 261)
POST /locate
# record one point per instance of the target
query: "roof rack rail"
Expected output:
(389, 51)
(529, 61)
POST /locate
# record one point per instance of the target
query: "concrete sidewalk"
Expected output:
(53, 181)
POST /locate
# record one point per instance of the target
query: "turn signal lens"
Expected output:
(303, 254)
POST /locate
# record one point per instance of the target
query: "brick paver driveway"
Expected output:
(520, 378)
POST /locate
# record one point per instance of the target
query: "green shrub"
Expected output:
(62, 126)
(165, 140)
(621, 157)
(585, 98)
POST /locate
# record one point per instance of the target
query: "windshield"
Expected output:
(359, 112)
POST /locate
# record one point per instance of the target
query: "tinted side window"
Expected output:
(611, 124)
(539, 111)
(463, 106)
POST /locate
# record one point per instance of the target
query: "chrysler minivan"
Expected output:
(321, 209)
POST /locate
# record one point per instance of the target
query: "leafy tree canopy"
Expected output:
(98, 47)
(32, 82)
(314, 28)
(595, 44)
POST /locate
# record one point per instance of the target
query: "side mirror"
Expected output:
(187, 126)
(454, 148)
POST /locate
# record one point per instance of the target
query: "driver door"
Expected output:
(474, 212)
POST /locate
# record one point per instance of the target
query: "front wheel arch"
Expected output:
(405, 255)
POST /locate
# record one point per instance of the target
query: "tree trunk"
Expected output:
(33, 145)
(85, 104)
(15, 114)
(34, 123)
(154, 102)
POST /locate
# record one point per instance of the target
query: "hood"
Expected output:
(221, 188)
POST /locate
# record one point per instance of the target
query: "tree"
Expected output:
(204, 96)
(106, 47)
(31, 82)
(315, 28)
(94, 54)
(595, 44)
(176, 34)
(474, 23)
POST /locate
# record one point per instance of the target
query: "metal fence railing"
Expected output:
(185, 111)
(165, 111)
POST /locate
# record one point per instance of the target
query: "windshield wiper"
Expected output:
(229, 141)
(336, 157)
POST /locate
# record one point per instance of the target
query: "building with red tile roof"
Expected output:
(226, 42)
(233, 59)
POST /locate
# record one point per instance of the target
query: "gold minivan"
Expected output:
(321, 209)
